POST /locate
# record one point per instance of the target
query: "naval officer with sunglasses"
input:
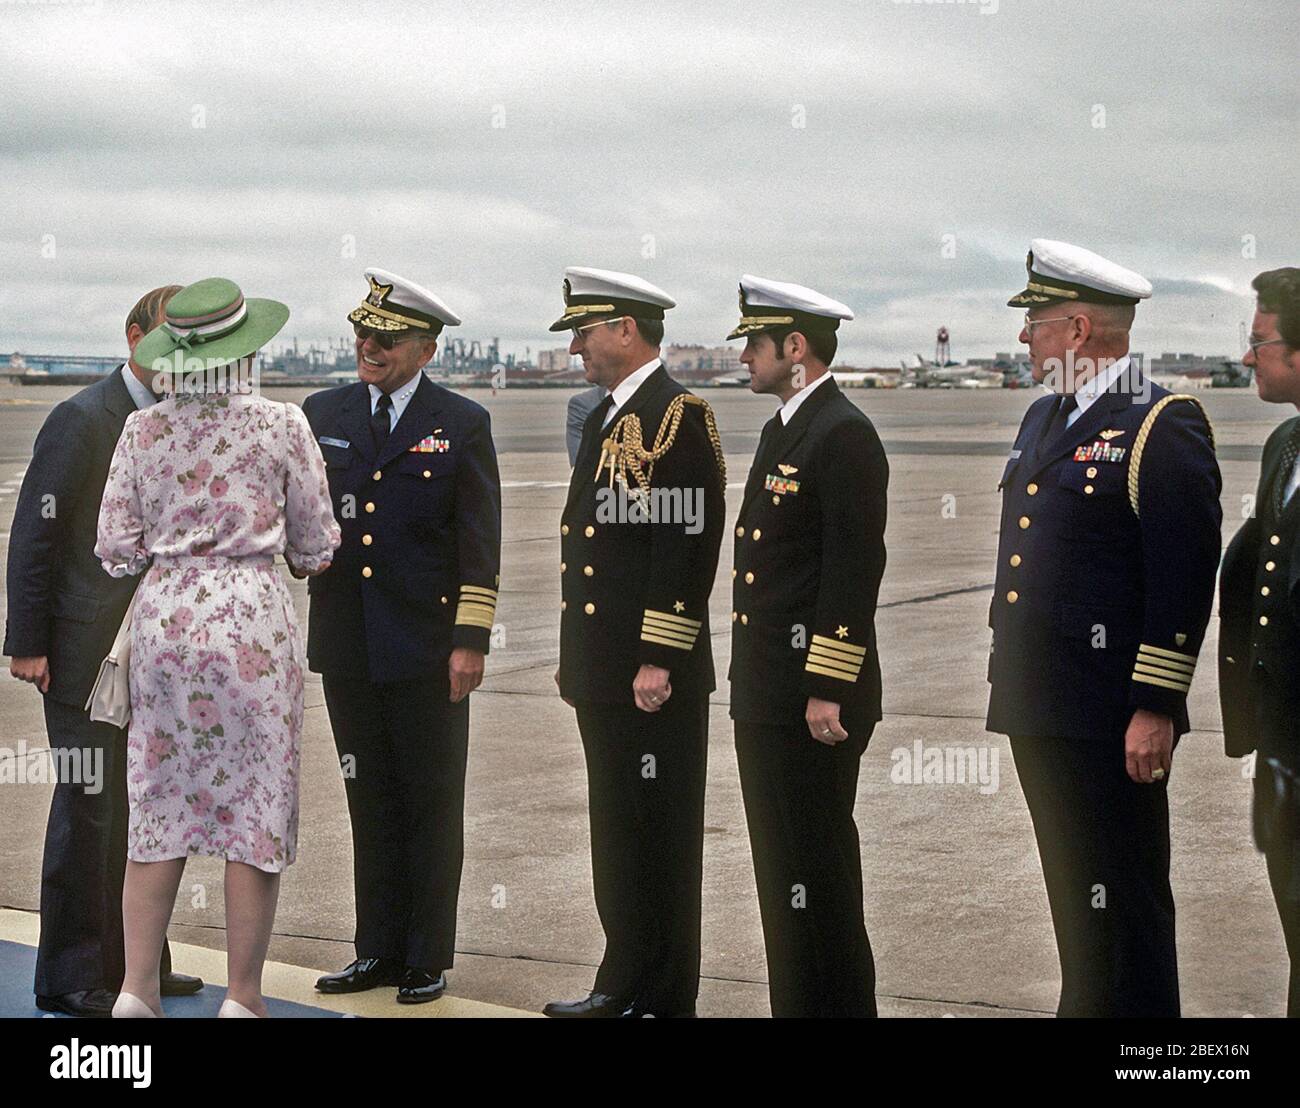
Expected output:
(399, 627)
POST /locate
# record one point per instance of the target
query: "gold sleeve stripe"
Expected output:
(680, 634)
(473, 618)
(680, 644)
(488, 610)
(842, 647)
(821, 665)
(850, 660)
(1149, 680)
(1159, 671)
(1177, 669)
(674, 619)
(477, 590)
(1172, 655)
(826, 672)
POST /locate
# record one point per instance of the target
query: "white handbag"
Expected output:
(110, 699)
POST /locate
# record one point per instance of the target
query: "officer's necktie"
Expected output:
(379, 422)
(1056, 425)
(1290, 452)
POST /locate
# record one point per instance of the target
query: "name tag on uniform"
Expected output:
(1099, 452)
(334, 442)
(431, 445)
(783, 486)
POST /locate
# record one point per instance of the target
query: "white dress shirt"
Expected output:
(622, 392)
(400, 398)
(139, 391)
(1086, 394)
(792, 405)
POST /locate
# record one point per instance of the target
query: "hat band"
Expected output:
(384, 313)
(1052, 290)
(577, 310)
(208, 331)
(765, 320)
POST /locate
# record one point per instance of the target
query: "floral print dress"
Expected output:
(203, 492)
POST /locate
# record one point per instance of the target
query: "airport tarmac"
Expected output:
(954, 899)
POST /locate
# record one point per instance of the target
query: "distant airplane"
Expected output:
(921, 374)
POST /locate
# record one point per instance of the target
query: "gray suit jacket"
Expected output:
(62, 603)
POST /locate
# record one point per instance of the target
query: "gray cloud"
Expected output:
(666, 130)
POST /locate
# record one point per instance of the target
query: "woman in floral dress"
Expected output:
(204, 490)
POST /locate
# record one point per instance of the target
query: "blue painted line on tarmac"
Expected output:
(18, 969)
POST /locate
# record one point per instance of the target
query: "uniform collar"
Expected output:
(792, 405)
(623, 391)
(400, 397)
(1086, 394)
(139, 391)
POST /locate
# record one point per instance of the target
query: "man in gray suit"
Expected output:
(64, 612)
(581, 405)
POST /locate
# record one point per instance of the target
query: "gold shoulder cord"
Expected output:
(625, 447)
(1139, 444)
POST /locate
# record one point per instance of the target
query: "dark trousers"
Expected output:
(645, 786)
(403, 747)
(85, 861)
(1104, 844)
(1282, 854)
(799, 796)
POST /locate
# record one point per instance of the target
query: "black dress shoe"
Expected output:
(179, 984)
(594, 1007)
(88, 1004)
(636, 1010)
(363, 974)
(419, 986)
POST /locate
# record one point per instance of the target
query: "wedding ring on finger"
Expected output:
(1157, 774)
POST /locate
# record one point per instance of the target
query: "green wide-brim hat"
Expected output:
(212, 320)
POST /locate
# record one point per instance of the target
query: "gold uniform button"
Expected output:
(1263, 621)
(1263, 591)
(1015, 560)
(733, 617)
(1271, 566)
(590, 608)
(749, 578)
(733, 574)
(740, 532)
(776, 500)
(563, 604)
(564, 528)
(1032, 489)
(366, 571)
(370, 505)
(1024, 523)
(1088, 489)
(1274, 539)
(589, 531)
(1012, 596)
(588, 570)
(443, 599)
(757, 534)
(563, 566)
(366, 540)
(744, 619)
(377, 474)
(1092, 471)
(427, 473)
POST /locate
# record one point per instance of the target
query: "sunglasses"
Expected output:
(385, 339)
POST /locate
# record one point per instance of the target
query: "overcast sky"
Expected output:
(479, 148)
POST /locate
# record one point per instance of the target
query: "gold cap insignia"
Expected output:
(786, 470)
(1180, 638)
(377, 293)
(568, 290)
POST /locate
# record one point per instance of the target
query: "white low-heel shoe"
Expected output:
(128, 1006)
(233, 1010)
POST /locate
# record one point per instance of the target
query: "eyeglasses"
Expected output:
(385, 339)
(1030, 324)
(1254, 346)
(577, 331)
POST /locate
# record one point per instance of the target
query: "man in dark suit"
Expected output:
(1259, 604)
(805, 674)
(639, 541)
(64, 612)
(1105, 574)
(399, 627)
